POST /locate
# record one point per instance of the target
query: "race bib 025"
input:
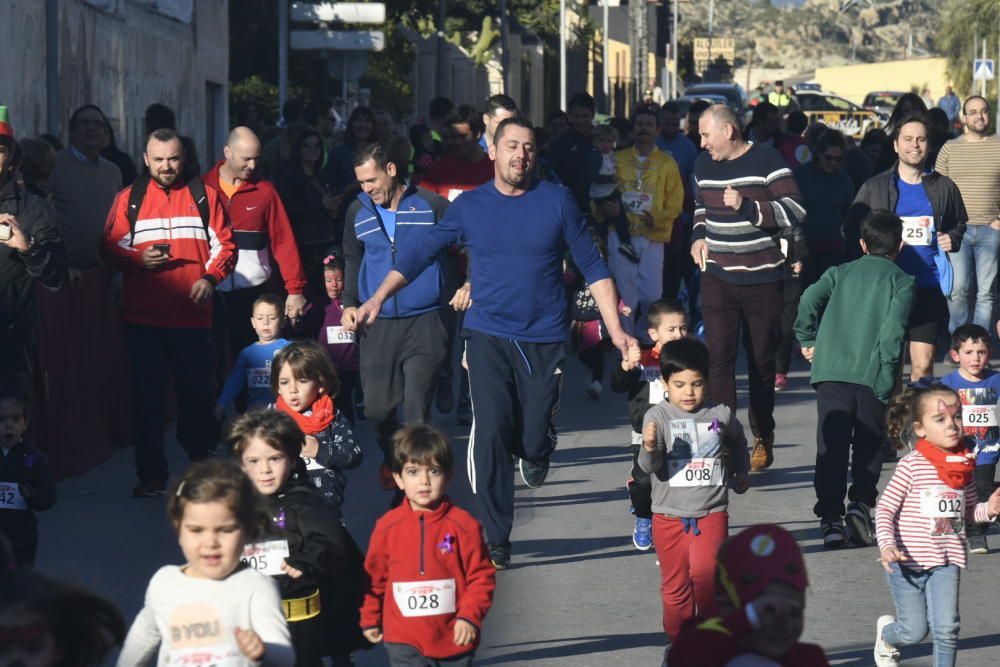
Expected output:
(917, 230)
(979, 416)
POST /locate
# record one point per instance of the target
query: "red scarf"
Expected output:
(954, 466)
(322, 415)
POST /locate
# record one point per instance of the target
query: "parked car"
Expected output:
(807, 86)
(882, 102)
(736, 96)
(837, 112)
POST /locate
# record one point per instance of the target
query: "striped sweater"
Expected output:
(900, 521)
(974, 166)
(744, 245)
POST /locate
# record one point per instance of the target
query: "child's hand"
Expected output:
(891, 555)
(993, 505)
(249, 643)
(290, 571)
(311, 447)
(807, 353)
(465, 633)
(649, 436)
(374, 635)
(741, 482)
(632, 356)
(220, 413)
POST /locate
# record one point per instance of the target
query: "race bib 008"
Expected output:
(424, 598)
(695, 472)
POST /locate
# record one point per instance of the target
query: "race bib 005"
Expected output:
(424, 598)
(266, 557)
(917, 230)
(10, 497)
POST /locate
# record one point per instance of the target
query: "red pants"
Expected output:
(687, 567)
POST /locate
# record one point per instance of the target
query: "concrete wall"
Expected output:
(122, 59)
(856, 81)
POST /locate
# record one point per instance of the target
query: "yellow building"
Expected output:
(856, 81)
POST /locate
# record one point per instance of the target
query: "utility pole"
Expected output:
(505, 47)
(282, 53)
(638, 42)
(562, 55)
(442, 54)
(673, 48)
(604, 59)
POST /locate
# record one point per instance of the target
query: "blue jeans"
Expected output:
(928, 595)
(978, 253)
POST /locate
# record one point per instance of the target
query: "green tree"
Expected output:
(961, 21)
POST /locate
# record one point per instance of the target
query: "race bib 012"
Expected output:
(424, 598)
(266, 557)
(339, 336)
(10, 497)
(979, 416)
(917, 230)
(944, 507)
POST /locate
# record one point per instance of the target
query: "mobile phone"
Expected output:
(5, 231)
(164, 248)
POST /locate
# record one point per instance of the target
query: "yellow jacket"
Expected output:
(661, 180)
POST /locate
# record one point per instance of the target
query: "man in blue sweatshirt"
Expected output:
(517, 230)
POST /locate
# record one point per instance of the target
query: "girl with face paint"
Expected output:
(920, 524)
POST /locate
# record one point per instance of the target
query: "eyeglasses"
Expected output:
(832, 158)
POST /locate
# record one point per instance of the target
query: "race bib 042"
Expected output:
(266, 557)
(424, 598)
(10, 497)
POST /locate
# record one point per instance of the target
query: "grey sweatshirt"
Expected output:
(694, 456)
(187, 619)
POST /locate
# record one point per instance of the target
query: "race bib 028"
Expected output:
(424, 598)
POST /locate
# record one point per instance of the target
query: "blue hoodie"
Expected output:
(369, 253)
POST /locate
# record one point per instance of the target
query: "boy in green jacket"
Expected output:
(856, 353)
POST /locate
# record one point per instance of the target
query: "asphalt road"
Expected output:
(579, 594)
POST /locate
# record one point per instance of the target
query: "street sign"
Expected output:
(982, 70)
(343, 12)
(709, 49)
(338, 40)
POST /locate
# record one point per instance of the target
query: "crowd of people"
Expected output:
(315, 277)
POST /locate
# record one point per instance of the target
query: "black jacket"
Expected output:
(881, 192)
(568, 156)
(636, 384)
(329, 558)
(45, 261)
(29, 469)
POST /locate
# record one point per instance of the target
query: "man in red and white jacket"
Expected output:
(261, 230)
(172, 261)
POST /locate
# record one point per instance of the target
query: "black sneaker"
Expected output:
(534, 472)
(833, 533)
(977, 544)
(149, 489)
(444, 397)
(859, 524)
(500, 555)
(629, 252)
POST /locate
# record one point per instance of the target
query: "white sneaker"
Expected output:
(885, 655)
(594, 390)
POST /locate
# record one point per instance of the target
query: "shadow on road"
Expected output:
(581, 646)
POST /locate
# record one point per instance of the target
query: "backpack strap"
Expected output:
(197, 189)
(135, 197)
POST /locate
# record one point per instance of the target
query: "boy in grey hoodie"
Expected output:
(691, 449)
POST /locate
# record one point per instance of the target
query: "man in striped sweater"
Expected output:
(747, 224)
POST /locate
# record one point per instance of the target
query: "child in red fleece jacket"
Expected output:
(430, 557)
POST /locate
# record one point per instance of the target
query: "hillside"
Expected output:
(815, 33)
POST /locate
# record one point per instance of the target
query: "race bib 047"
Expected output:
(637, 202)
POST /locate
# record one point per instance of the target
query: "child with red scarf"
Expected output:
(761, 595)
(305, 382)
(920, 523)
(638, 375)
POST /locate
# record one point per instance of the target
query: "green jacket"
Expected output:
(855, 316)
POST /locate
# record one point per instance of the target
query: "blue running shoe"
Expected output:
(642, 536)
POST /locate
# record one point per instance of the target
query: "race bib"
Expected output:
(258, 377)
(917, 230)
(979, 416)
(425, 598)
(265, 557)
(339, 336)
(209, 656)
(10, 497)
(637, 202)
(453, 194)
(695, 472)
(944, 508)
(657, 391)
